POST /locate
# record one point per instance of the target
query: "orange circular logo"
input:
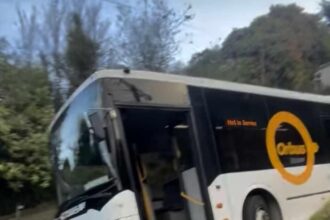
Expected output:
(309, 148)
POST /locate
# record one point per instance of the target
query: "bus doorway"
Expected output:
(161, 149)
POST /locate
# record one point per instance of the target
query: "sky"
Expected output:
(213, 21)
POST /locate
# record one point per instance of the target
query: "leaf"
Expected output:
(23, 124)
(281, 49)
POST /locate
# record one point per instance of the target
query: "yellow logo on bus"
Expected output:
(309, 148)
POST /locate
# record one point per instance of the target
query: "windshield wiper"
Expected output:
(78, 200)
(137, 92)
(82, 198)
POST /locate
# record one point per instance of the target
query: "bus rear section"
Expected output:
(273, 152)
(156, 146)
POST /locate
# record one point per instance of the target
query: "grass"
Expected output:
(323, 213)
(44, 211)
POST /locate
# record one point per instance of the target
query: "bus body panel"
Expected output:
(296, 202)
(245, 164)
(219, 195)
(229, 180)
(121, 206)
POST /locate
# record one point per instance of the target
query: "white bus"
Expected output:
(131, 145)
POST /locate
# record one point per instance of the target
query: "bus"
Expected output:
(133, 145)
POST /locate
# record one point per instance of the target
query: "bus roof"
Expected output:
(194, 81)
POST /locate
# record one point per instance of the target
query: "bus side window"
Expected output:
(228, 151)
(323, 155)
(240, 148)
(239, 121)
(326, 126)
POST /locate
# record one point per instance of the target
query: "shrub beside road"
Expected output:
(323, 213)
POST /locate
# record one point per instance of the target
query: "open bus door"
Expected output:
(160, 143)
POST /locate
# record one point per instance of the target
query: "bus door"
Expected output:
(161, 144)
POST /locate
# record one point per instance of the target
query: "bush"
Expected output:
(323, 213)
(29, 197)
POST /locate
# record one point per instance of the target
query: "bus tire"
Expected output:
(256, 208)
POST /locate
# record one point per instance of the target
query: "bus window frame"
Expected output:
(196, 149)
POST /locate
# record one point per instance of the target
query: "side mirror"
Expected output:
(96, 124)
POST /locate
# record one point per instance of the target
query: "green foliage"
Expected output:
(81, 53)
(25, 112)
(325, 9)
(323, 213)
(281, 49)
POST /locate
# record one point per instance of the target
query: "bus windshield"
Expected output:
(80, 165)
(81, 161)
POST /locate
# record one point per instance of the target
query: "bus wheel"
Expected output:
(256, 208)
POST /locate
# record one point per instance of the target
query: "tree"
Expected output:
(281, 49)
(25, 111)
(97, 26)
(148, 34)
(325, 10)
(4, 56)
(27, 42)
(177, 67)
(46, 39)
(81, 53)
